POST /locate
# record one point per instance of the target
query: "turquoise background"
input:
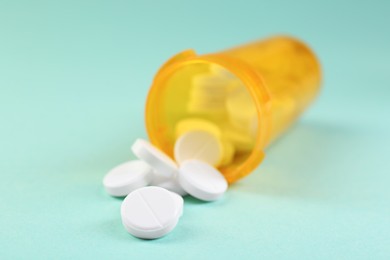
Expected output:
(73, 81)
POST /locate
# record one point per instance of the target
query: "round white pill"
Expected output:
(127, 177)
(179, 201)
(172, 185)
(151, 212)
(200, 145)
(201, 180)
(158, 160)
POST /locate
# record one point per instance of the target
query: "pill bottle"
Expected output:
(280, 75)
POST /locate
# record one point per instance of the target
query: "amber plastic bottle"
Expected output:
(281, 74)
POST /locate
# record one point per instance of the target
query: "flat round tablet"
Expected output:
(210, 82)
(179, 201)
(207, 94)
(127, 177)
(201, 180)
(200, 145)
(173, 186)
(242, 142)
(221, 71)
(151, 212)
(155, 158)
(242, 111)
(194, 123)
(240, 105)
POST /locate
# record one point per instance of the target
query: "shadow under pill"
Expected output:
(193, 201)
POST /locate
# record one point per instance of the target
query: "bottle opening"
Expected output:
(201, 95)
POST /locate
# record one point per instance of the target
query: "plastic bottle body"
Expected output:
(291, 73)
(281, 76)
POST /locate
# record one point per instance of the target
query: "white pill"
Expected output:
(201, 180)
(158, 178)
(173, 185)
(179, 201)
(200, 145)
(155, 158)
(127, 177)
(219, 70)
(151, 212)
(242, 141)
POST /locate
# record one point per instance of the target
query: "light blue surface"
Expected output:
(73, 80)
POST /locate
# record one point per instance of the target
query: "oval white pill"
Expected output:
(200, 145)
(155, 158)
(201, 180)
(151, 212)
(127, 177)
